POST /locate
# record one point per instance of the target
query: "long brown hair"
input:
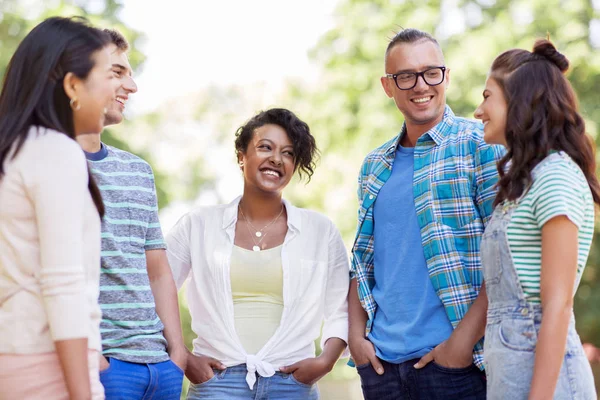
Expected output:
(32, 91)
(542, 116)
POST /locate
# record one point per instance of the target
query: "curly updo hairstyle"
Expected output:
(305, 147)
(542, 116)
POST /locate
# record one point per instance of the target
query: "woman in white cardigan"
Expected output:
(265, 275)
(57, 86)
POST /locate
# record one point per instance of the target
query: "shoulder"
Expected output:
(135, 162)
(558, 168)
(203, 215)
(468, 133)
(377, 154)
(314, 220)
(466, 130)
(52, 145)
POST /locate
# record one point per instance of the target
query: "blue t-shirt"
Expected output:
(410, 319)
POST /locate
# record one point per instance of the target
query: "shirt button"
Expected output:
(524, 311)
(371, 197)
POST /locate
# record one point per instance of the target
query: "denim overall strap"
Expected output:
(513, 325)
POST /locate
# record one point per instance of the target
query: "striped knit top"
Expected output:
(131, 329)
(559, 188)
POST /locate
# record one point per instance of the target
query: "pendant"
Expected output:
(258, 234)
(255, 248)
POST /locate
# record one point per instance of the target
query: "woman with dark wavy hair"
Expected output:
(536, 245)
(56, 87)
(264, 275)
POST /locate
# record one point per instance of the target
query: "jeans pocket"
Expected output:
(448, 370)
(182, 372)
(297, 382)
(362, 367)
(209, 381)
(105, 371)
(518, 334)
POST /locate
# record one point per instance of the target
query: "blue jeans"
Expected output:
(123, 380)
(231, 384)
(432, 382)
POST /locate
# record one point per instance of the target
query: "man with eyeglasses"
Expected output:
(417, 302)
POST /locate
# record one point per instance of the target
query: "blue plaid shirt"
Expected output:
(454, 188)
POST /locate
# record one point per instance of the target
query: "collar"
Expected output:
(99, 155)
(437, 133)
(294, 220)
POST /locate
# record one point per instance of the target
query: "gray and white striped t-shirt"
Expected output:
(131, 329)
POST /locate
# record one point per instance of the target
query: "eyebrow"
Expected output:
(270, 141)
(404, 71)
(122, 68)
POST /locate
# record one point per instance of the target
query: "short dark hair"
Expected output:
(305, 147)
(32, 91)
(118, 39)
(410, 35)
(542, 116)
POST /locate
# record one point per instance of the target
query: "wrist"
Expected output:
(327, 361)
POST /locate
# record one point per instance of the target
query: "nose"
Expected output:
(478, 113)
(421, 86)
(276, 159)
(129, 85)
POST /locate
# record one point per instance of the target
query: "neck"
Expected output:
(89, 142)
(261, 206)
(415, 131)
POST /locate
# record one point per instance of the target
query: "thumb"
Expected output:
(216, 364)
(426, 359)
(376, 364)
(289, 368)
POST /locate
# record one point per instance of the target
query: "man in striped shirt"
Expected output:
(417, 304)
(143, 351)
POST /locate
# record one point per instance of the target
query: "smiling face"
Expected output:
(123, 73)
(93, 94)
(492, 112)
(269, 160)
(423, 105)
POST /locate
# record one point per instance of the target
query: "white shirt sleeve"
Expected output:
(56, 177)
(336, 291)
(178, 250)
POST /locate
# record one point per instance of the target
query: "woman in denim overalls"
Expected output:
(536, 244)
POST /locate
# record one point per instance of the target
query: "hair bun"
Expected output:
(546, 49)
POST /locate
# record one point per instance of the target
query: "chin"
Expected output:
(113, 118)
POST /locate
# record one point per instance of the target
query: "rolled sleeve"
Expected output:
(336, 295)
(178, 250)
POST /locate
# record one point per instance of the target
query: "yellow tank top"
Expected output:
(257, 289)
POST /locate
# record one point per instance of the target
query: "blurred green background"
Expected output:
(346, 109)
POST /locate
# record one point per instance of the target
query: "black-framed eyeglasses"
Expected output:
(408, 80)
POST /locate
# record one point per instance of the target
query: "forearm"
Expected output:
(550, 350)
(332, 351)
(357, 316)
(165, 297)
(472, 327)
(73, 358)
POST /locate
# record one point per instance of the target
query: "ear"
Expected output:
(240, 157)
(386, 82)
(447, 77)
(71, 85)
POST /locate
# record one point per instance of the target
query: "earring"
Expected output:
(75, 105)
(241, 163)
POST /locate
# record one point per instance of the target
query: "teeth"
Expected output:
(422, 100)
(120, 100)
(269, 172)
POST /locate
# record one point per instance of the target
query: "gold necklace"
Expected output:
(258, 232)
